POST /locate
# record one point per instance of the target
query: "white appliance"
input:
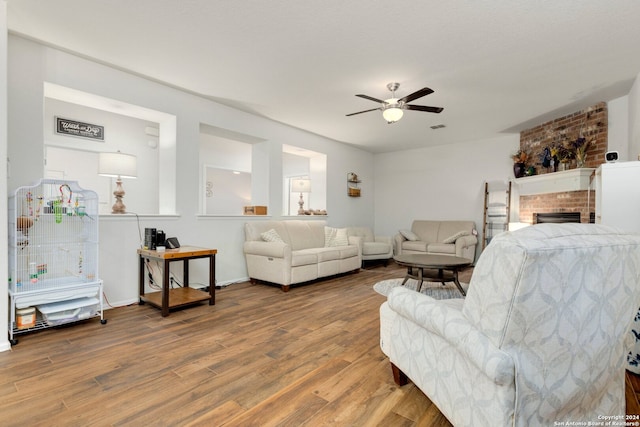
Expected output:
(618, 195)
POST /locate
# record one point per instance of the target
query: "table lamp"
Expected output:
(118, 165)
(301, 186)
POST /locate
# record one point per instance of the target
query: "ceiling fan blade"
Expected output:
(417, 94)
(370, 98)
(423, 108)
(360, 112)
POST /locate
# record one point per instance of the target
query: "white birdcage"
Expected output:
(53, 250)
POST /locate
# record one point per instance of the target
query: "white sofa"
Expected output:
(308, 250)
(538, 340)
(372, 247)
(457, 238)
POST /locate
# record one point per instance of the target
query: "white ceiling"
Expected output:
(495, 66)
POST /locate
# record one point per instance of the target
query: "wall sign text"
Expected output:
(81, 129)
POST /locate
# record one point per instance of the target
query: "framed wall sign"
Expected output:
(80, 129)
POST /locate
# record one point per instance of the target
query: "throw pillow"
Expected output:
(335, 237)
(456, 236)
(341, 238)
(271, 236)
(409, 235)
(329, 233)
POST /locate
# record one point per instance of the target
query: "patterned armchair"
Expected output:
(539, 337)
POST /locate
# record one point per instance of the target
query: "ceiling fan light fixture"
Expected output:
(392, 114)
(393, 108)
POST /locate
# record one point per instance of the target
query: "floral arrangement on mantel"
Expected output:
(520, 163)
(561, 144)
(561, 153)
(558, 155)
(580, 147)
(520, 156)
(576, 149)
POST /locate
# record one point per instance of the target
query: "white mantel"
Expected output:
(556, 182)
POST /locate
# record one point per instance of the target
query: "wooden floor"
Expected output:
(632, 393)
(259, 357)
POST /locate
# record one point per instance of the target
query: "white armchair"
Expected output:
(372, 247)
(539, 337)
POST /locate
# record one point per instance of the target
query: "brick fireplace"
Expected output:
(567, 201)
(591, 123)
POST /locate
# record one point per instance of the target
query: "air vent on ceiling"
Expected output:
(437, 127)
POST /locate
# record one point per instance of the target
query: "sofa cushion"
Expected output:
(365, 232)
(375, 248)
(304, 257)
(271, 236)
(328, 254)
(305, 234)
(448, 229)
(441, 248)
(427, 231)
(414, 246)
(253, 230)
(409, 235)
(318, 255)
(456, 236)
(348, 251)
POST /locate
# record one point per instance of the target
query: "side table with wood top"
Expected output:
(167, 298)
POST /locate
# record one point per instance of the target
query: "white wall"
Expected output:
(634, 120)
(439, 183)
(225, 153)
(4, 238)
(618, 127)
(32, 64)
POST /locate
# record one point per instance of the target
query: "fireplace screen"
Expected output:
(557, 217)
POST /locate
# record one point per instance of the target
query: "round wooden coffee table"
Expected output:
(441, 268)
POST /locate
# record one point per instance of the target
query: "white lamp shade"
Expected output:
(301, 186)
(118, 165)
(392, 114)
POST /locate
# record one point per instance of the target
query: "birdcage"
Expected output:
(53, 252)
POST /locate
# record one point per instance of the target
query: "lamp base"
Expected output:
(301, 204)
(118, 207)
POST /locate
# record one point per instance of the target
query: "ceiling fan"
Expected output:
(392, 108)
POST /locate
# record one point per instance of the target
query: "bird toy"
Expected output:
(62, 193)
(29, 198)
(39, 208)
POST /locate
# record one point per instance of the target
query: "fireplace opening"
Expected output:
(557, 217)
